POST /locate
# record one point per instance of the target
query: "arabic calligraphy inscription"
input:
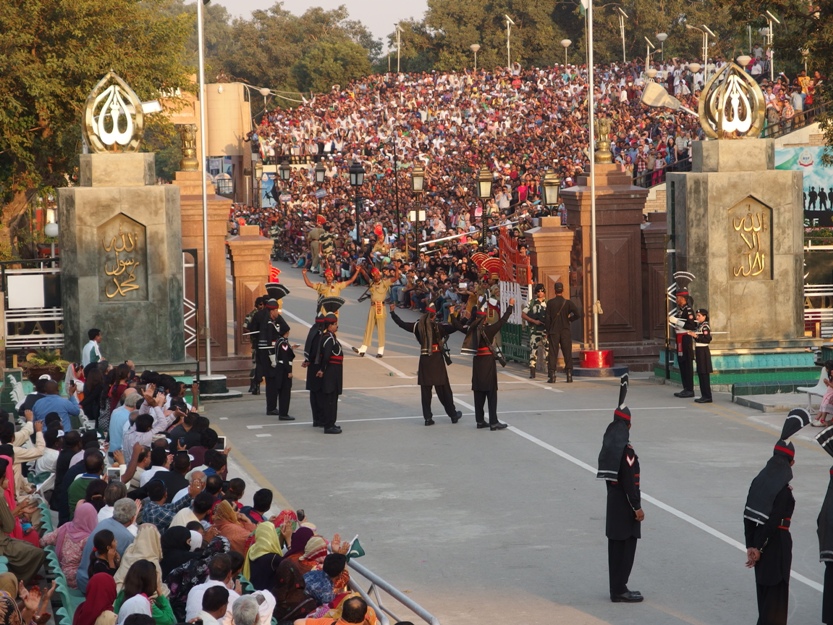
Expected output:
(122, 255)
(750, 240)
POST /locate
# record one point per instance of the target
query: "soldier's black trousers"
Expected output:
(772, 603)
(620, 555)
(480, 398)
(445, 396)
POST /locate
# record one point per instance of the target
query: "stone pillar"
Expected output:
(192, 237)
(121, 261)
(250, 263)
(619, 207)
(654, 280)
(739, 226)
(550, 246)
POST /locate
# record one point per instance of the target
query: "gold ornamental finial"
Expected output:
(732, 105)
(113, 116)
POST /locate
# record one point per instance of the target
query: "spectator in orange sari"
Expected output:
(235, 526)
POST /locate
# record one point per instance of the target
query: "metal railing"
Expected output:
(801, 119)
(374, 599)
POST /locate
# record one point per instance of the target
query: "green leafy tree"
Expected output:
(294, 54)
(329, 63)
(52, 53)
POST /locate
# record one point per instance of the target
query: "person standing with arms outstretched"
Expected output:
(431, 372)
(378, 290)
(479, 341)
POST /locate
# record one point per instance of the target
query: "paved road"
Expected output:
(508, 527)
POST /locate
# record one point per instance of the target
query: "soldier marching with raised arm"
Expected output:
(431, 372)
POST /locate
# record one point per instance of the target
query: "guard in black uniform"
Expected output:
(312, 347)
(683, 323)
(479, 341)
(283, 378)
(271, 327)
(766, 525)
(330, 362)
(255, 378)
(825, 533)
(431, 336)
(619, 466)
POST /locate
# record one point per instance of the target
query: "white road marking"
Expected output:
(663, 506)
(263, 435)
(378, 361)
(548, 387)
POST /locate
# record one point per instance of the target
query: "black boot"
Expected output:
(569, 376)
(532, 373)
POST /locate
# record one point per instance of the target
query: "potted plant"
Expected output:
(43, 361)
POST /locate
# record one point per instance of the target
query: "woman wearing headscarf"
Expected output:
(289, 586)
(233, 525)
(147, 546)
(98, 607)
(24, 558)
(264, 557)
(176, 549)
(70, 538)
(143, 593)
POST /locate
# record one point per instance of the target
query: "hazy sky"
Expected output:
(378, 15)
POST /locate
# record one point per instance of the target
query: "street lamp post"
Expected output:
(771, 20)
(204, 193)
(648, 47)
(52, 231)
(484, 191)
(565, 43)
(661, 37)
(398, 45)
(475, 47)
(509, 25)
(622, 17)
(552, 189)
(356, 181)
(705, 31)
(285, 173)
(417, 215)
(320, 172)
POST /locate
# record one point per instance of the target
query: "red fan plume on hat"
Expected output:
(492, 265)
(274, 272)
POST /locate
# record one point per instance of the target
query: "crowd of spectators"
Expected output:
(520, 123)
(135, 502)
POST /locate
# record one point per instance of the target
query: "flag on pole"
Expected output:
(355, 550)
(582, 7)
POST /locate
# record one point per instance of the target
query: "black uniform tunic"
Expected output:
(432, 371)
(772, 571)
(312, 347)
(484, 366)
(622, 529)
(330, 361)
(267, 337)
(283, 378)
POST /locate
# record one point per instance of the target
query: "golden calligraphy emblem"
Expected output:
(749, 229)
(732, 105)
(123, 271)
(113, 116)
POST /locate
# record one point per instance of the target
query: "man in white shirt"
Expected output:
(215, 602)
(219, 574)
(91, 351)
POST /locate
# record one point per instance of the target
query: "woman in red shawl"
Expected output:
(24, 559)
(292, 601)
(29, 535)
(98, 608)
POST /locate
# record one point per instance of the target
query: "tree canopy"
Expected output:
(52, 53)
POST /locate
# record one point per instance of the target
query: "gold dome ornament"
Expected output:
(732, 105)
(113, 116)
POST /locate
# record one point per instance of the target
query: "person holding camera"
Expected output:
(431, 372)
(479, 341)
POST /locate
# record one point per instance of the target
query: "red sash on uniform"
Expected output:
(336, 360)
(483, 351)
